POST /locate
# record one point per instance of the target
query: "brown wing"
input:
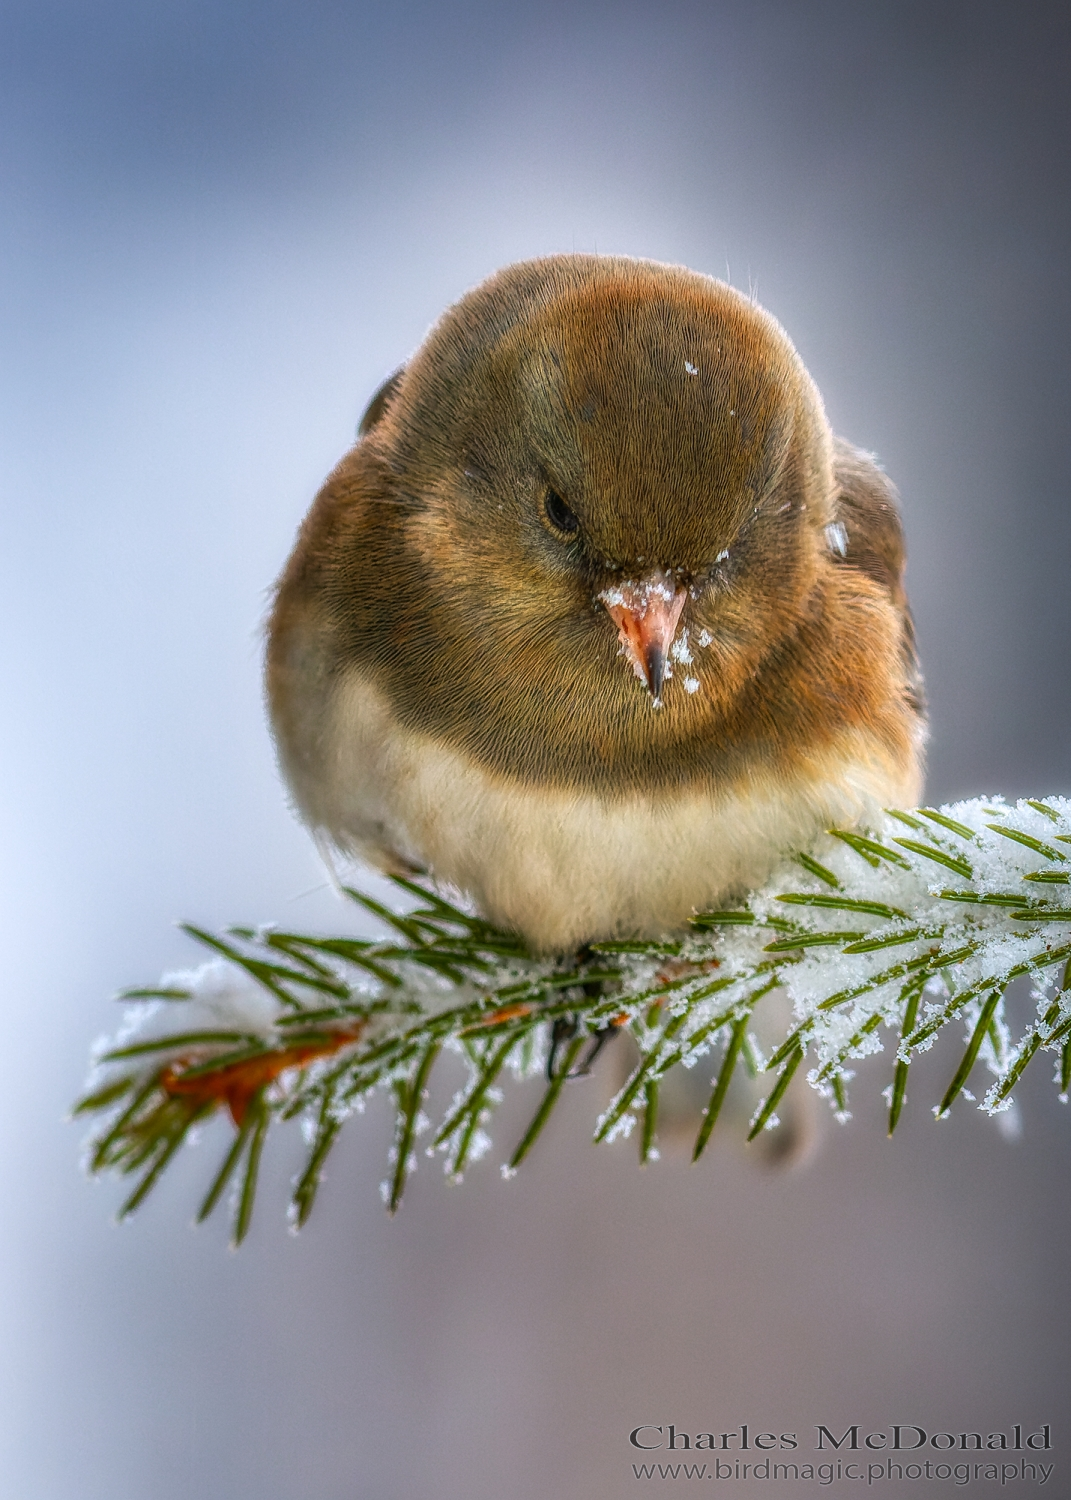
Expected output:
(867, 507)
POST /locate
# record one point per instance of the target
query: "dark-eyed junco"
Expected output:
(597, 618)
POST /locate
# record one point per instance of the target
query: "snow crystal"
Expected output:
(222, 997)
(680, 650)
(638, 593)
(480, 1145)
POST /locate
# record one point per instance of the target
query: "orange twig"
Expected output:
(235, 1084)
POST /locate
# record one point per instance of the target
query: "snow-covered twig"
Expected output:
(919, 923)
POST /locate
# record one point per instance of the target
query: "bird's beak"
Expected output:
(646, 614)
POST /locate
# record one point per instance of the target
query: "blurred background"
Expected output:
(221, 225)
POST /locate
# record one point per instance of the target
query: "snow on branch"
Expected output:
(880, 940)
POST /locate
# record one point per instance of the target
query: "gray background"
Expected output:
(222, 225)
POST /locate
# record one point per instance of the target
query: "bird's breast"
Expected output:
(562, 865)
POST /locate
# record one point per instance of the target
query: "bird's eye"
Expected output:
(559, 515)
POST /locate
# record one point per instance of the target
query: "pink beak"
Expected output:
(646, 615)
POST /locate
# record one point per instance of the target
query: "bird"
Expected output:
(597, 620)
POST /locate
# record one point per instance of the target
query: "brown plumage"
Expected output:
(597, 618)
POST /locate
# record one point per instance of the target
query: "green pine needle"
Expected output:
(967, 1062)
(721, 1084)
(244, 1217)
(650, 1120)
(410, 1097)
(550, 1098)
(910, 995)
(765, 1114)
(226, 1171)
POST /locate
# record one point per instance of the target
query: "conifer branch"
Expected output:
(906, 929)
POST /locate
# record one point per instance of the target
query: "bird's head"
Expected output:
(604, 474)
